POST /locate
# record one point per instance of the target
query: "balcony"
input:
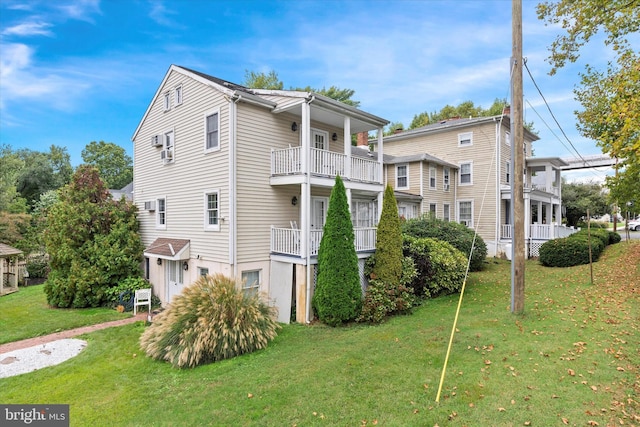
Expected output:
(538, 231)
(288, 162)
(287, 240)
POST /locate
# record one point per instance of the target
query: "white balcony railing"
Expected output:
(287, 161)
(287, 240)
(553, 190)
(539, 231)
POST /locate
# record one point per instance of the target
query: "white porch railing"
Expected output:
(287, 161)
(554, 190)
(287, 240)
(325, 162)
(365, 170)
(539, 231)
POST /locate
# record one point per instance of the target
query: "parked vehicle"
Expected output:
(634, 225)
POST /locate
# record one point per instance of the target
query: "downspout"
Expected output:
(233, 222)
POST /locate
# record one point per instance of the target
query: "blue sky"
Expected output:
(76, 71)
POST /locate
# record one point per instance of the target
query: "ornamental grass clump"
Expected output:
(210, 320)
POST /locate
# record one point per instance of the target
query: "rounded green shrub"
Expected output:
(458, 235)
(211, 320)
(614, 238)
(570, 251)
(440, 266)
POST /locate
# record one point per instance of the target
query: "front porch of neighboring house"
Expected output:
(542, 203)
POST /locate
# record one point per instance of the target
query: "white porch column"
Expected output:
(380, 196)
(548, 178)
(380, 159)
(527, 217)
(305, 203)
(347, 149)
(539, 212)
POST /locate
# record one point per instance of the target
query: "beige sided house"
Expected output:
(237, 181)
(477, 154)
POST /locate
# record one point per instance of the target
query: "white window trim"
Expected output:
(406, 165)
(179, 98)
(166, 101)
(464, 136)
(326, 138)
(435, 211)
(203, 271)
(158, 212)
(470, 162)
(446, 178)
(204, 145)
(207, 226)
(173, 144)
(458, 211)
(246, 286)
(434, 169)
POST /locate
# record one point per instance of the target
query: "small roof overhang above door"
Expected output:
(169, 249)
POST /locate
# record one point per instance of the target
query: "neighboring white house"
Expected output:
(237, 181)
(472, 160)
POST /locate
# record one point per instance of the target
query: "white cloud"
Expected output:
(162, 15)
(82, 10)
(29, 29)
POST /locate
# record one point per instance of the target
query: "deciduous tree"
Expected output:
(113, 163)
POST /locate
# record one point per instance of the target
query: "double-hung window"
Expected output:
(446, 215)
(465, 139)
(466, 173)
(212, 131)
(161, 213)
(251, 282)
(465, 212)
(433, 210)
(432, 176)
(212, 210)
(178, 95)
(445, 178)
(402, 176)
(167, 101)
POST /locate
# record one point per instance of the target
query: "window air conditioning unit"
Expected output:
(156, 140)
(446, 187)
(150, 206)
(166, 154)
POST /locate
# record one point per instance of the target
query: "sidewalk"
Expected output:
(18, 345)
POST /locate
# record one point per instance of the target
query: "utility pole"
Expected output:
(517, 156)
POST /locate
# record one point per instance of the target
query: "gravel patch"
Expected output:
(40, 356)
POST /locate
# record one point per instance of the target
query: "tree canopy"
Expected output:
(113, 163)
(270, 80)
(578, 197)
(610, 99)
(464, 109)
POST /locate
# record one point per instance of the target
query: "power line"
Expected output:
(551, 112)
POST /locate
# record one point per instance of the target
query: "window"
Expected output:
(212, 134)
(167, 101)
(167, 153)
(465, 211)
(203, 271)
(161, 213)
(212, 210)
(402, 176)
(507, 138)
(432, 210)
(364, 213)
(178, 95)
(251, 282)
(507, 168)
(402, 212)
(432, 176)
(445, 210)
(466, 170)
(465, 139)
(445, 179)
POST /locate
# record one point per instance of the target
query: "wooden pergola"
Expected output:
(8, 269)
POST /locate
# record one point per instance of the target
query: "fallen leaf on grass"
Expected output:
(594, 388)
(565, 421)
(249, 395)
(501, 409)
(571, 372)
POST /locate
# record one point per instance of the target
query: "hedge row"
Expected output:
(574, 250)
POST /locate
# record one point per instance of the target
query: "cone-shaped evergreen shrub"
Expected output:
(338, 296)
(388, 266)
(210, 320)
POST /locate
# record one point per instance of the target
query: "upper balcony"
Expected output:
(286, 166)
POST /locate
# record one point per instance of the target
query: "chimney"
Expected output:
(363, 139)
(506, 111)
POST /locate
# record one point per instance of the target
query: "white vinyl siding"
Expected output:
(402, 176)
(212, 210)
(466, 173)
(212, 131)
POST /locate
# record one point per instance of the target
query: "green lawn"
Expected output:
(25, 314)
(571, 359)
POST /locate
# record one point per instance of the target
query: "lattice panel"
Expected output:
(534, 249)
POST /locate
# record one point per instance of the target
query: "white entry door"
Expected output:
(174, 279)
